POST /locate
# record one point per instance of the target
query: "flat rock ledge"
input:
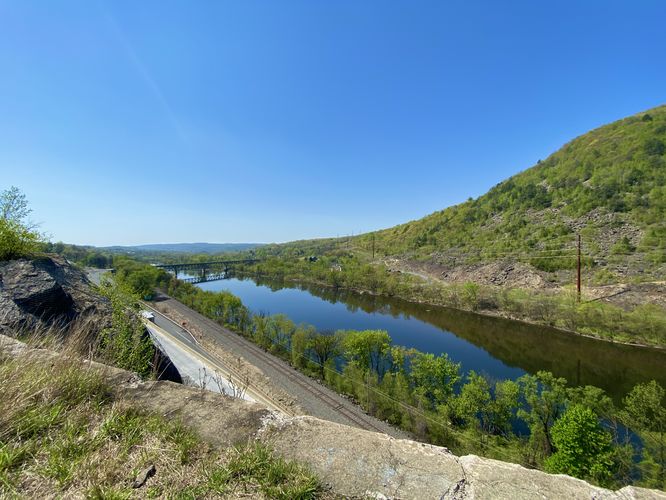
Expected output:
(352, 462)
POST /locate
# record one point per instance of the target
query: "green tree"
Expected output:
(593, 398)
(489, 409)
(280, 330)
(299, 344)
(399, 357)
(583, 448)
(434, 377)
(645, 412)
(14, 205)
(473, 404)
(368, 348)
(18, 237)
(324, 347)
(143, 283)
(545, 397)
(260, 331)
(505, 400)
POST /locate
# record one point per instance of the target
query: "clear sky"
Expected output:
(129, 122)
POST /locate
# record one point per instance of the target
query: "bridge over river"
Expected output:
(199, 272)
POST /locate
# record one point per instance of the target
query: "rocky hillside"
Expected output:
(45, 295)
(47, 291)
(608, 185)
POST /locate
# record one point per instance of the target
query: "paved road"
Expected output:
(191, 359)
(316, 399)
(95, 275)
(193, 367)
(175, 329)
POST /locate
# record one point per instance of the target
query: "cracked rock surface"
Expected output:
(360, 463)
(46, 290)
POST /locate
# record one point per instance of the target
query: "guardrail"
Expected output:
(230, 372)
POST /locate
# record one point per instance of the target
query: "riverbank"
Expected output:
(431, 397)
(293, 389)
(643, 326)
(488, 313)
(497, 347)
(426, 395)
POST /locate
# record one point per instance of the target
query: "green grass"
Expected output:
(254, 467)
(63, 433)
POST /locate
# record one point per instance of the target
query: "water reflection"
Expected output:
(497, 347)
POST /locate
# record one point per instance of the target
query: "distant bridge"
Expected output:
(204, 271)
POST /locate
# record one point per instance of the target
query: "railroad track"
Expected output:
(198, 351)
(362, 421)
(319, 394)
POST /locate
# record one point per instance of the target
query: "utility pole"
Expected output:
(578, 280)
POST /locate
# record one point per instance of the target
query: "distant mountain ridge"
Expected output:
(211, 248)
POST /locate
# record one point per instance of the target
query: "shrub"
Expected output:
(17, 236)
(583, 447)
(16, 241)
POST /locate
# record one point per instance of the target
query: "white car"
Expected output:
(148, 315)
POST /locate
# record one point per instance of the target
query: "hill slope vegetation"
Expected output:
(608, 185)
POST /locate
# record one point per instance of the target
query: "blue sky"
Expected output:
(131, 122)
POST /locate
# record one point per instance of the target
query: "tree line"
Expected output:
(644, 324)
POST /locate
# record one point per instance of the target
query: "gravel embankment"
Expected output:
(314, 398)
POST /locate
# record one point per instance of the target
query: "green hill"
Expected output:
(611, 177)
(513, 251)
(609, 185)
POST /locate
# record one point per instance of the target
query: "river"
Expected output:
(496, 347)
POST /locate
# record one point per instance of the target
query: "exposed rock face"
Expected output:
(48, 291)
(353, 462)
(499, 273)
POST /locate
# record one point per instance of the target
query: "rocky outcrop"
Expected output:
(365, 464)
(352, 462)
(46, 291)
(36, 294)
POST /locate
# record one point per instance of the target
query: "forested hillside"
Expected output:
(608, 185)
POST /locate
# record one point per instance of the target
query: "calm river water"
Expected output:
(499, 348)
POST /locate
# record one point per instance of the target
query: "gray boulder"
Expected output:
(46, 291)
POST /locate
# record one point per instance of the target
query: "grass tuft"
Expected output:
(275, 477)
(63, 433)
